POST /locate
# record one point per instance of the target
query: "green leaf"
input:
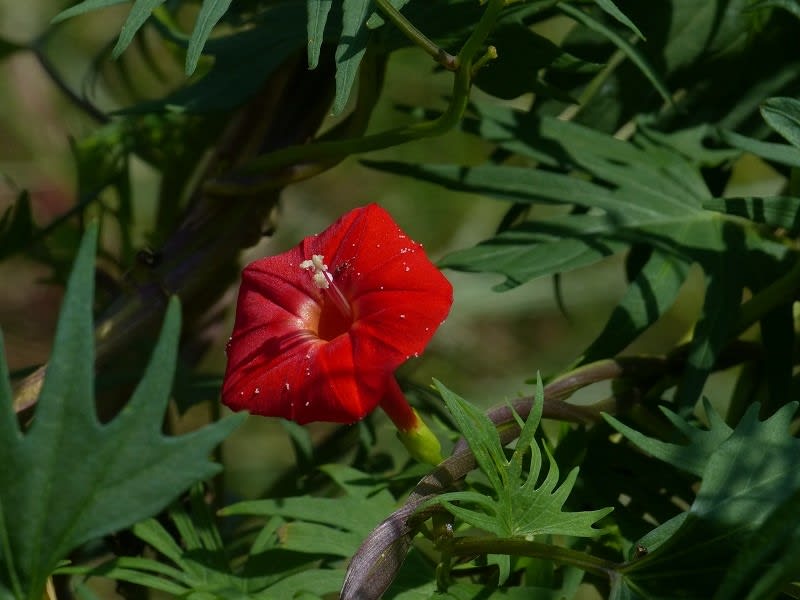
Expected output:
(210, 14)
(313, 538)
(629, 50)
(611, 8)
(317, 18)
(746, 479)
(783, 115)
(140, 12)
(652, 291)
(793, 6)
(84, 7)
(720, 311)
(692, 457)
(147, 573)
(351, 48)
(779, 153)
(521, 509)
(480, 433)
(752, 472)
(235, 76)
(351, 513)
(153, 533)
(319, 581)
(771, 558)
(526, 185)
(70, 479)
(775, 211)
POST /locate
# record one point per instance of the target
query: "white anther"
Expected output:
(317, 264)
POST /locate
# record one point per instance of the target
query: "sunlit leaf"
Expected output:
(783, 115)
(317, 18)
(780, 153)
(520, 508)
(351, 48)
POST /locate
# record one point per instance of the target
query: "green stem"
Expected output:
(448, 61)
(519, 547)
(340, 149)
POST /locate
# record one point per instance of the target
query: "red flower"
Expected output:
(321, 329)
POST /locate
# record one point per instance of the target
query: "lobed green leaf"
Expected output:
(520, 508)
(70, 479)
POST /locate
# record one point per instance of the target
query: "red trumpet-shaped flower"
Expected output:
(321, 329)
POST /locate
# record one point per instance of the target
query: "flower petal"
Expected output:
(277, 363)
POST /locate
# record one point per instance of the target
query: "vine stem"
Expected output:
(467, 546)
(333, 152)
(447, 60)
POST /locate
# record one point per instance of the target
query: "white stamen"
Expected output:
(323, 280)
(320, 280)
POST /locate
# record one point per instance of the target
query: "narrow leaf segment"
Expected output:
(520, 509)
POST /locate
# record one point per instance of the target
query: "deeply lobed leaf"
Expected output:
(70, 479)
(520, 508)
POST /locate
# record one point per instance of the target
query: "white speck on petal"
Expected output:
(402, 316)
(257, 391)
(287, 386)
(308, 402)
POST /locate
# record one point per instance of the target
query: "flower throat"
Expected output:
(331, 322)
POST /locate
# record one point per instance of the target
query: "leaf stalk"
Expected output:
(465, 546)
